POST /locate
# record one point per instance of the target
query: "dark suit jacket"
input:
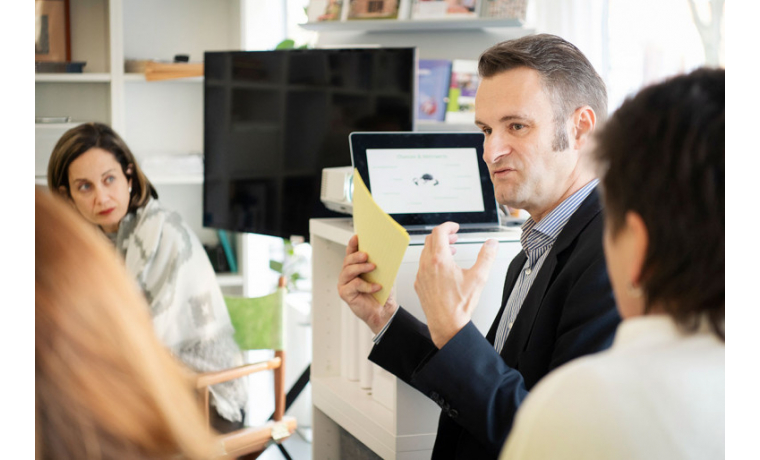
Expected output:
(568, 312)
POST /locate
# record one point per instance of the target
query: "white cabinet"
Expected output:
(406, 429)
(158, 120)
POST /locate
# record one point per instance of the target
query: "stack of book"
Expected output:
(155, 70)
(447, 90)
(444, 9)
(342, 10)
(222, 256)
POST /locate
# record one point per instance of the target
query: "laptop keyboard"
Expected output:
(461, 230)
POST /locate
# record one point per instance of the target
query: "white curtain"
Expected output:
(630, 43)
(581, 22)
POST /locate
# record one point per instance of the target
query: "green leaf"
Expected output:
(275, 265)
(286, 44)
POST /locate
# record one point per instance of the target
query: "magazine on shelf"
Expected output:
(507, 9)
(324, 10)
(444, 9)
(433, 88)
(373, 9)
(464, 85)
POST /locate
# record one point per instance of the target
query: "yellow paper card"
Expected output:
(381, 237)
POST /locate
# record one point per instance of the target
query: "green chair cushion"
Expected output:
(258, 321)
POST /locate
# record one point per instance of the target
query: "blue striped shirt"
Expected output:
(537, 239)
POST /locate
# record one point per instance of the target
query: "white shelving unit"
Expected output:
(427, 25)
(407, 429)
(139, 77)
(72, 77)
(156, 119)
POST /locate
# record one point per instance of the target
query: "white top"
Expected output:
(657, 393)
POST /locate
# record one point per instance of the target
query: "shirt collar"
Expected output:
(538, 235)
(654, 329)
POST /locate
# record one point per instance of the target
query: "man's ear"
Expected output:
(584, 122)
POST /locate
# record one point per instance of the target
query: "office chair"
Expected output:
(259, 325)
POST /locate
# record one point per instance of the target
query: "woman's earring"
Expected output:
(634, 291)
(130, 189)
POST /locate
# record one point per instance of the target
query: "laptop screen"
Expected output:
(426, 178)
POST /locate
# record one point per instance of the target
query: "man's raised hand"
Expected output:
(449, 294)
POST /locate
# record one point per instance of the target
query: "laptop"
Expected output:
(423, 179)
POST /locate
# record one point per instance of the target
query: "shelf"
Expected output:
(72, 77)
(179, 179)
(58, 126)
(353, 409)
(140, 77)
(426, 25)
(370, 422)
(229, 279)
(336, 229)
(427, 125)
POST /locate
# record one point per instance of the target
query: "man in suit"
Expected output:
(538, 103)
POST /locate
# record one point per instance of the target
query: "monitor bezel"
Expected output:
(361, 141)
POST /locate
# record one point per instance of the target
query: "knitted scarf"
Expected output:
(186, 303)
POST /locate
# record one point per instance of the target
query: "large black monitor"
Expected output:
(274, 119)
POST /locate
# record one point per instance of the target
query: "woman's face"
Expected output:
(99, 188)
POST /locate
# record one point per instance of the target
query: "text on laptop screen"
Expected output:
(407, 181)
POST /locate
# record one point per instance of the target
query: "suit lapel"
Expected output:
(523, 326)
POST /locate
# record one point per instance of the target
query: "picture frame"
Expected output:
(52, 31)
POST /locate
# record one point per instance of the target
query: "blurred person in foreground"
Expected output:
(105, 387)
(659, 391)
(92, 168)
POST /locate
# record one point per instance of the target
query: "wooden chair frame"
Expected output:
(251, 439)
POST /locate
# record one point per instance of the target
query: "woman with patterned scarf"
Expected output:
(92, 167)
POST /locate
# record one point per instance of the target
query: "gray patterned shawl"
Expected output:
(188, 309)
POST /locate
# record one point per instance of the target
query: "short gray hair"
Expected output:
(567, 75)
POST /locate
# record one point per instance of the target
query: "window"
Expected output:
(375, 6)
(650, 40)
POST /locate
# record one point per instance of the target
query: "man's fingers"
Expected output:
(355, 258)
(350, 272)
(364, 287)
(353, 245)
(439, 240)
(486, 257)
(453, 239)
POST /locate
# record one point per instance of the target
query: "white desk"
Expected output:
(405, 430)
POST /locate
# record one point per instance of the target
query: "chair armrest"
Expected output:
(212, 378)
(254, 439)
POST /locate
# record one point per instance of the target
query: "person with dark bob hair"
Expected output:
(659, 391)
(92, 168)
(79, 140)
